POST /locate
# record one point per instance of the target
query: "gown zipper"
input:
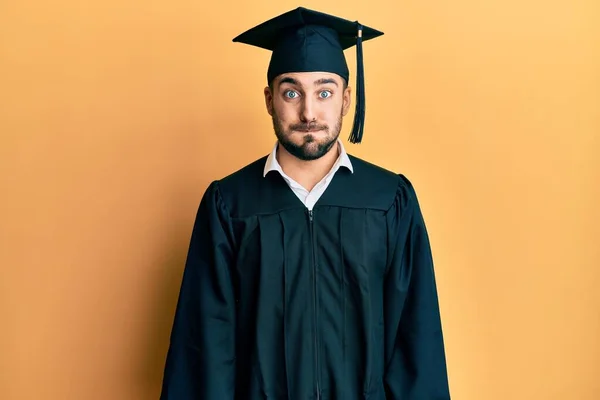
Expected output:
(315, 308)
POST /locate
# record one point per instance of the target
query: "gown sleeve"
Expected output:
(415, 358)
(200, 362)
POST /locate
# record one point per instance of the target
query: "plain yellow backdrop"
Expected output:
(115, 115)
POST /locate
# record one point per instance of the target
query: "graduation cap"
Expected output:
(304, 40)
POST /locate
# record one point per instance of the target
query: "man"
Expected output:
(309, 273)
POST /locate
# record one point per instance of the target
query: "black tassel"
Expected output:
(359, 116)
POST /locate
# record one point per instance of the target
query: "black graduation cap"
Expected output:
(304, 40)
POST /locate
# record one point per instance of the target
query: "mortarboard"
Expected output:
(303, 40)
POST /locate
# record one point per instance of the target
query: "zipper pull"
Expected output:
(310, 215)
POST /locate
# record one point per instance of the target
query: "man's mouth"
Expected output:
(309, 129)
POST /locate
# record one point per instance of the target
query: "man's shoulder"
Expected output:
(243, 184)
(372, 169)
(369, 174)
(252, 171)
(382, 183)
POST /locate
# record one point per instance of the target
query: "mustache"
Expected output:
(308, 127)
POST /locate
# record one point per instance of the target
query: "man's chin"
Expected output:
(309, 149)
(304, 155)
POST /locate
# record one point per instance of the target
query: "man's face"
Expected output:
(307, 110)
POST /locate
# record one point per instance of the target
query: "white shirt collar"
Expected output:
(273, 165)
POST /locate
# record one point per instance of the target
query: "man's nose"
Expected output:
(308, 112)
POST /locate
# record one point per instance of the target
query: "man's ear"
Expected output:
(269, 100)
(347, 100)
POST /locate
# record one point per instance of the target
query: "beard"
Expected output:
(310, 148)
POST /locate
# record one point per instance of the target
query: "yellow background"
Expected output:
(115, 115)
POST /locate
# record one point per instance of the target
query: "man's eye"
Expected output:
(290, 94)
(325, 94)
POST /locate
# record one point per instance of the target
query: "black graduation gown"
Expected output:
(280, 303)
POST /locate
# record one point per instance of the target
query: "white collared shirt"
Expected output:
(308, 198)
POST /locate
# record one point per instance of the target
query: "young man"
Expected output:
(309, 273)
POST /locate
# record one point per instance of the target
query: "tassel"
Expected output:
(359, 116)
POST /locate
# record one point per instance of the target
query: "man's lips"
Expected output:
(317, 129)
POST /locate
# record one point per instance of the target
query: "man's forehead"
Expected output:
(308, 78)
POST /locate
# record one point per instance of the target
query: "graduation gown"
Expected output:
(278, 302)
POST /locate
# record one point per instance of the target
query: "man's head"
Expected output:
(308, 77)
(307, 109)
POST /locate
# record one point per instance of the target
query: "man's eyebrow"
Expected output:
(324, 81)
(289, 80)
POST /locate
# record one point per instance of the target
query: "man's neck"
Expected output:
(307, 173)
